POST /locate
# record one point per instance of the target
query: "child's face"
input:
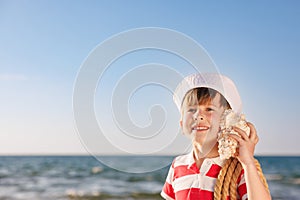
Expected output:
(201, 122)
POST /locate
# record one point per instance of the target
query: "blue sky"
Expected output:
(44, 43)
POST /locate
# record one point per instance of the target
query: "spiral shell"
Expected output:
(227, 146)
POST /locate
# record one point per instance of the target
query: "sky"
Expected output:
(45, 44)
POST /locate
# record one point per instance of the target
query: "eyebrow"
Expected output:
(210, 104)
(204, 105)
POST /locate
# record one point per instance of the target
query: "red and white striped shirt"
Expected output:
(185, 181)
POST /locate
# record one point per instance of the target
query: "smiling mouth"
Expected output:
(200, 128)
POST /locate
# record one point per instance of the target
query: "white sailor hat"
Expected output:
(218, 82)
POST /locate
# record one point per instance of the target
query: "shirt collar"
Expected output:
(215, 160)
(191, 159)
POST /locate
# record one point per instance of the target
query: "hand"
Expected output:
(245, 151)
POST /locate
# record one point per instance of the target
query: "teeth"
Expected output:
(200, 128)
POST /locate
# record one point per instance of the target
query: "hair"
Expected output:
(226, 184)
(202, 95)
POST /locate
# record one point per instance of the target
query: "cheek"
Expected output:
(184, 120)
(210, 117)
(187, 116)
(215, 117)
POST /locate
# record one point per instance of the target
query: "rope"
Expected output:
(221, 176)
(233, 182)
(228, 177)
(226, 184)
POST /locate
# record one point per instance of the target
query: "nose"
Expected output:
(198, 116)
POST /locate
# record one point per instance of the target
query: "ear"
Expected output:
(180, 123)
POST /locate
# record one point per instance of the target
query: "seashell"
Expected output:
(227, 146)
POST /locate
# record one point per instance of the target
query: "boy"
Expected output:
(202, 99)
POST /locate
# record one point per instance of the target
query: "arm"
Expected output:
(255, 187)
(245, 154)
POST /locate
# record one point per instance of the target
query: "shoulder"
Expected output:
(185, 159)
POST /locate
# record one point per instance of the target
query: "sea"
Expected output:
(87, 178)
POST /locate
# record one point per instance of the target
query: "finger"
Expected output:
(237, 138)
(253, 133)
(241, 132)
(256, 140)
(236, 154)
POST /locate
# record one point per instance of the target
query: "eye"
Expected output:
(208, 109)
(192, 110)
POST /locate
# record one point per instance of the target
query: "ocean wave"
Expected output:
(96, 170)
(294, 181)
(273, 177)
